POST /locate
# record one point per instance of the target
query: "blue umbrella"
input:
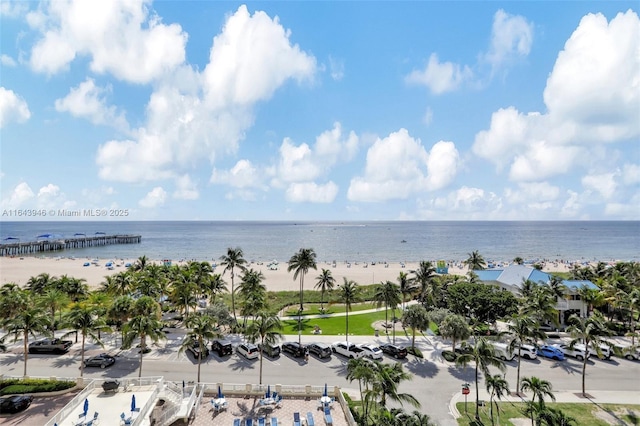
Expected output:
(86, 406)
(268, 391)
(133, 403)
(325, 390)
(220, 392)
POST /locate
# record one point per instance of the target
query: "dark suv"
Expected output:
(222, 347)
(294, 348)
(196, 352)
(321, 350)
(394, 350)
(270, 350)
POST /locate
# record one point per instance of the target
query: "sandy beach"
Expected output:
(18, 270)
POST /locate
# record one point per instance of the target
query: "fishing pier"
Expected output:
(10, 247)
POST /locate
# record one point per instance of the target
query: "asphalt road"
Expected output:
(434, 382)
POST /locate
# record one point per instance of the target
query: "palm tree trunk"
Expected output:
(82, 355)
(233, 300)
(413, 339)
(386, 318)
(301, 293)
(491, 408)
(584, 370)
(142, 348)
(477, 395)
(199, 361)
(518, 374)
(26, 353)
(453, 344)
(322, 301)
(347, 327)
(393, 312)
(260, 382)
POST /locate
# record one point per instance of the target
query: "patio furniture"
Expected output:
(274, 421)
(261, 421)
(310, 421)
(236, 422)
(327, 416)
(248, 422)
(296, 419)
(110, 385)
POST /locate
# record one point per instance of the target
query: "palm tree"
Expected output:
(387, 293)
(540, 388)
(483, 355)
(215, 286)
(588, 331)
(233, 259)
(53, 300)
(202, 330)
(40, 283)
(555, 417)
(522, 329)
(407, 286)
(28, 321)
(386, 379)
(325, 282)
(416, 318)
(253, 293)
(348, 293)
(475, 261)
(300, 263)
(455, 327)
(497, 387)
(518, 260)
(119, 284)
(144, 324)
(87, 320)
(424, 276)
(76, 288)
(140, 264)
(360, 369)
(12, 300)
(266, 329)
(120, 311)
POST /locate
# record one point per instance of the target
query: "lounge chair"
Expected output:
(296, 419)
(248, 422)
(327, 416)
(310, 421)
(261, 421)
(274, 421)
(236, 422)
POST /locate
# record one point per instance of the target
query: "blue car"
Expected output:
(552, 352)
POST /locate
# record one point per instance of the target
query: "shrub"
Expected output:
(19, 386)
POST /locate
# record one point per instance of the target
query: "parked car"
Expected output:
(102, 361)
(248, 350)
(371, 351)
(395, 351)
(605, 351)
(270, 350)
(13, 404)
(196, 350)
(527, 351)
(502, 351)
(631, 353)
(294, 348)
(349, 350)
(321, 350)
(578, 352)
(222, 347)
(50, 346)
(551, 352)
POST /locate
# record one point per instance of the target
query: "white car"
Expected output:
(371, 351)
(631, 353)
(605, 351)
(248, 350)
(349, 350)
(527, 351)
(579, 351)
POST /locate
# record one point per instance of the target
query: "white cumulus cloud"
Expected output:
(12, 108)
(511, 36)
(311, 192)
(20, 194)
(7, 61)
(605, 183)
(399, 165)
(88, 101)
(186, 189)
(154, 198)
(440, 77)
(122, 37)
(196, 116)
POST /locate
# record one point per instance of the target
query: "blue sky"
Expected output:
(320, 110)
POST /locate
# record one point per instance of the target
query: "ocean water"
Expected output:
(351, 241)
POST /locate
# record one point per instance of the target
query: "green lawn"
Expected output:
(359, 324)
(584, 413)
(314, 308)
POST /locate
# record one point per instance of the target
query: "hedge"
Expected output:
(19, 386)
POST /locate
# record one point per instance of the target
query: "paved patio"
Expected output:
(243, 408)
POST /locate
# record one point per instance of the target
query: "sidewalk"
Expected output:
(595, 397)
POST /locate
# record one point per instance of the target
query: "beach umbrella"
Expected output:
(86, 406)
(133, 403)
(325, 390)
(268, 391)
(220, 392)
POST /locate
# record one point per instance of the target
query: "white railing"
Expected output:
(169, 416)
(72, 405)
